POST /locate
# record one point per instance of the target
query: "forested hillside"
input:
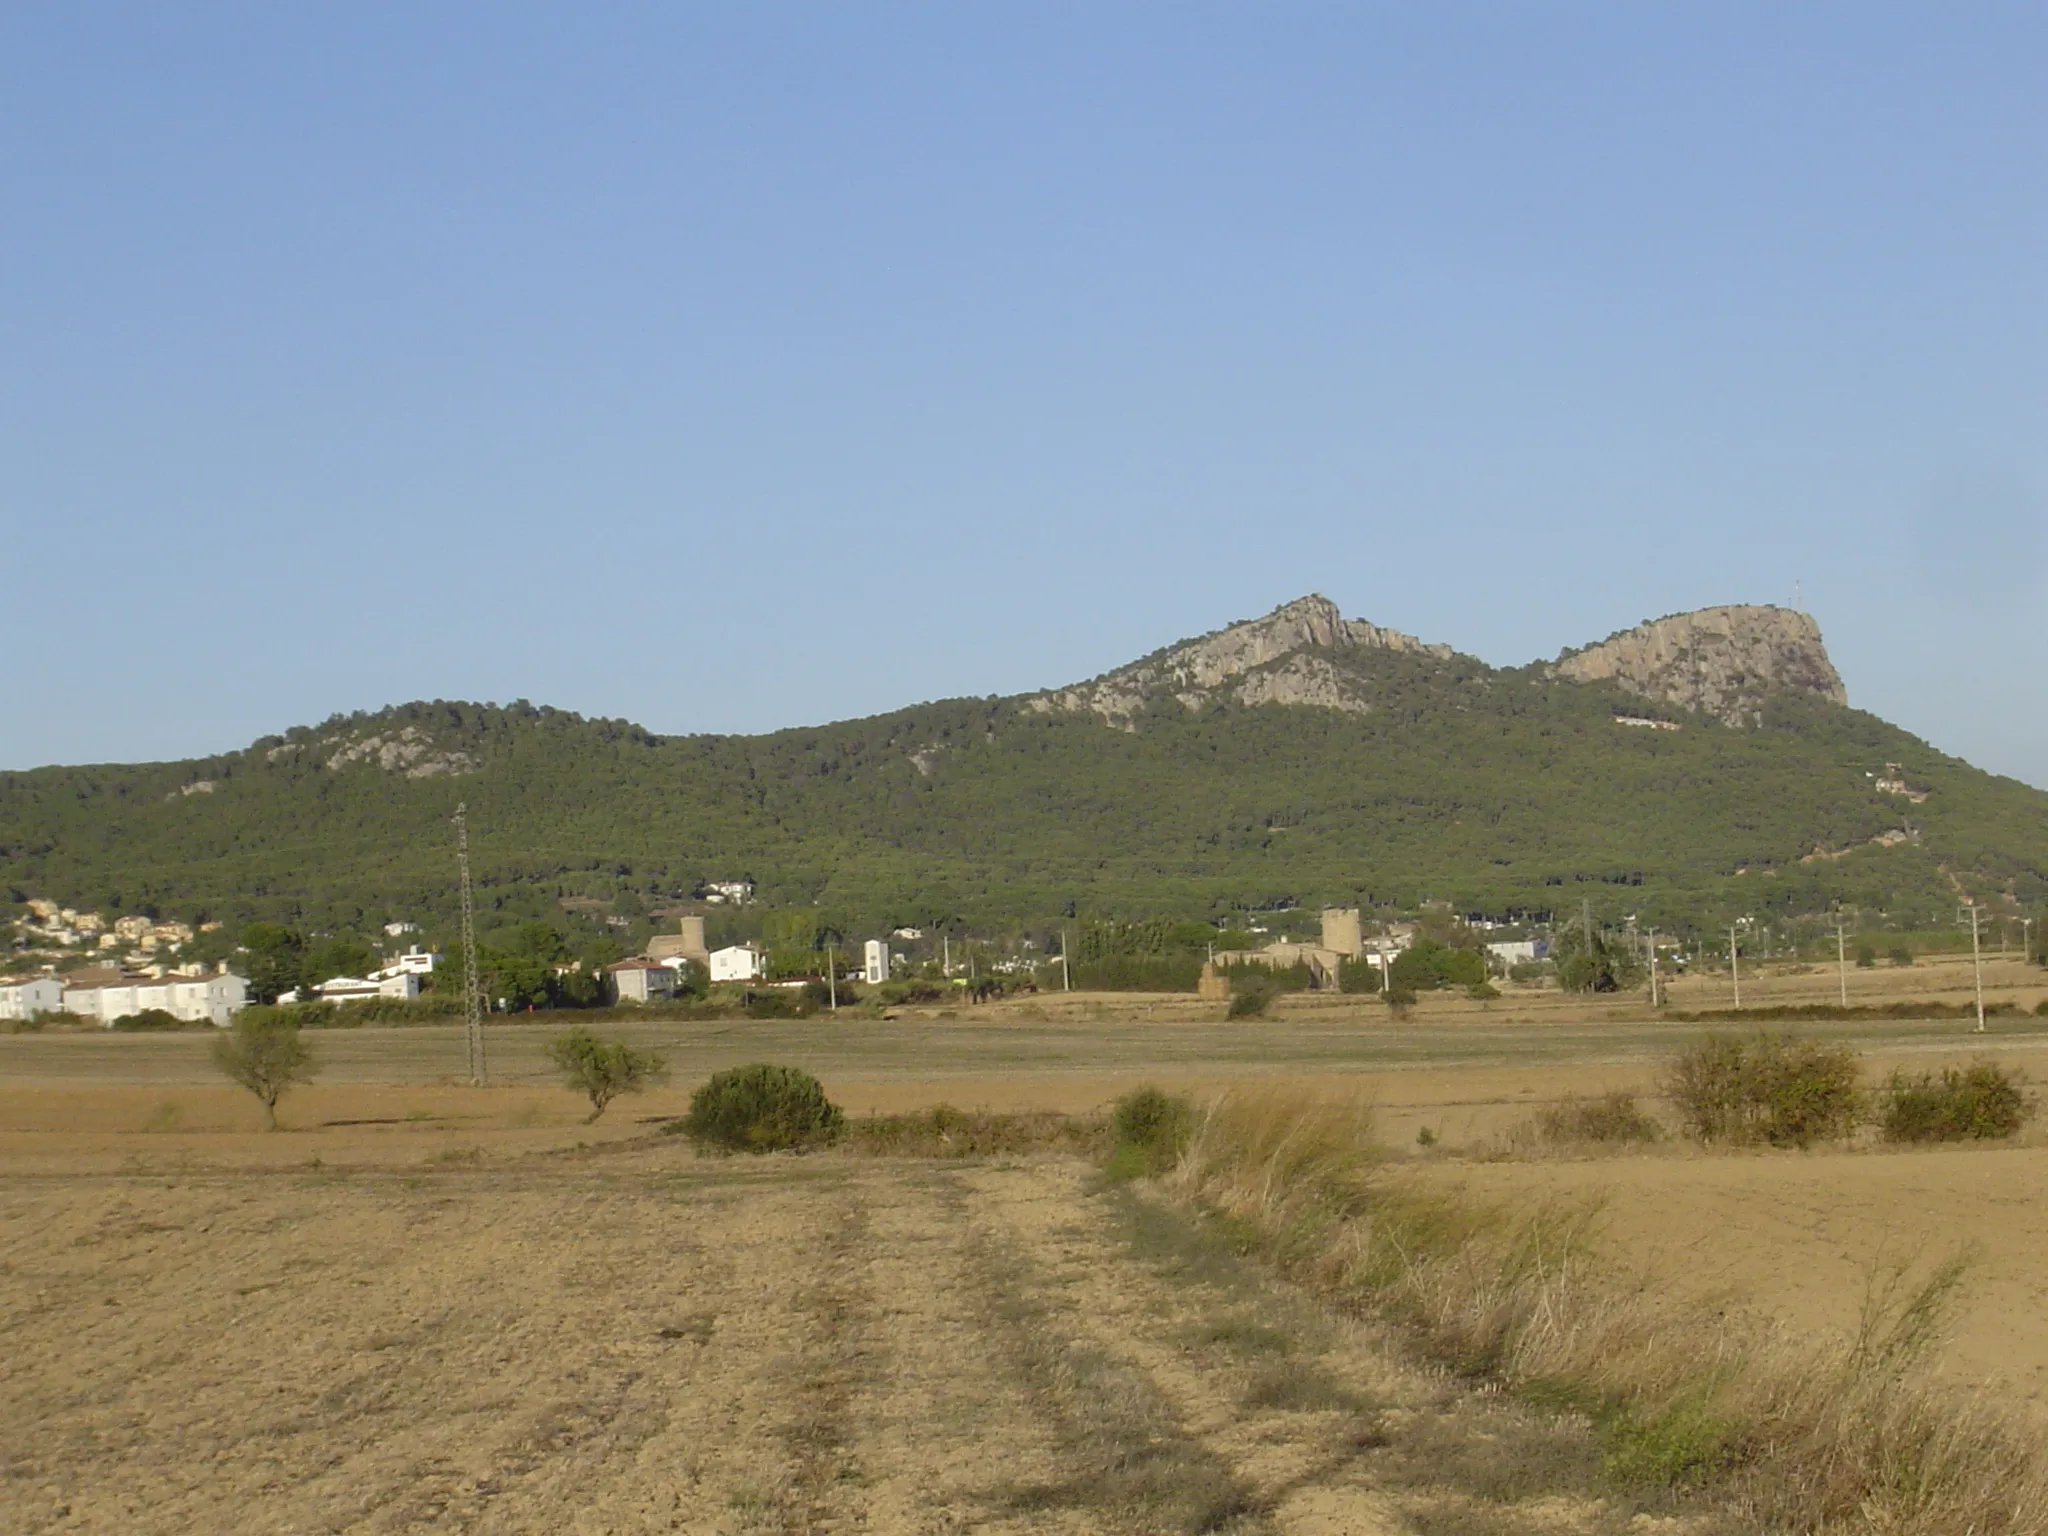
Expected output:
(1365, 767)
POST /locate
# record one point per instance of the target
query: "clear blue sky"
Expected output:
(727, 367)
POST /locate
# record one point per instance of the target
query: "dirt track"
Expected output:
(639, 1342)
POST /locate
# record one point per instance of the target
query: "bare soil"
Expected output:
(427, 1306)
(632, 1340)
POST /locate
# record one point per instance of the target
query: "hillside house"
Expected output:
(641, 980)
(403, 985)
(739, 962)
(414, 962)
(22, 998)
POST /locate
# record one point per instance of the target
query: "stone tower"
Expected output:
(1342, 932)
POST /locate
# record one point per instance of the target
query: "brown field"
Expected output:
(426, 1306)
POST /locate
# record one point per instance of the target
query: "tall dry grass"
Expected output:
(1791, 1435)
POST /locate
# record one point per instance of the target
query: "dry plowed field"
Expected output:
(636, 1340)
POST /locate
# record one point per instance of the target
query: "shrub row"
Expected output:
(1795, 1012)
(1779, 1091)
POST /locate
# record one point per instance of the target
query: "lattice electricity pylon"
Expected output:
(473, 982)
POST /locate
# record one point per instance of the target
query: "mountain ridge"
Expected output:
(1295, 756)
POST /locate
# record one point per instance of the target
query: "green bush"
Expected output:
(1399, 998)
(893, 992)
(1866, 957)
(149, 1019)
(1902, 956)
(777, 1003)
(1152, 1130)
(1981, 1102)
(1358, 976)
(1427, 965)
(1482, 992)
(1139, 973)
(1612, 1118)
(761, 1108)
(602, 1069)
(1251, 999)
(1529, 970)
(1281, 978)
(2041, 1009)
(1764, 1088)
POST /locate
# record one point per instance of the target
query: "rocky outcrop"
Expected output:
(1723, 662)
(1291, 656)
(407, 750)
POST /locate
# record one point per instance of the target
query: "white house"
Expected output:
(642, 981)
(352, 989)
(875, 962)
(740, 962)
(195, 999)
(414, 962)
(1515, 951)
(25, 997)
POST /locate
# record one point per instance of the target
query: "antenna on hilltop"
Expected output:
(472, 983)
(1798, 594)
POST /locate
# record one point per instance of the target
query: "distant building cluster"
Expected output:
(51, 926)
(658, 973)
(1344, 938)
(141, 974)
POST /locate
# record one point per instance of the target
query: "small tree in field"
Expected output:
(603, 1069)
(262, 1051)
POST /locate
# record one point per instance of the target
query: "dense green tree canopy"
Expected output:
(1490, 791)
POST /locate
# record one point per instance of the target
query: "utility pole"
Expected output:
(946, 948)
(1976, 960)
(1842, 958)
(1653, 968)
(1735, 965)
(1066, 975)
(832, 975)
(473, 983)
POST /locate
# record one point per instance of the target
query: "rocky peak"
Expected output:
(1290, 656)
(406, 749)
(1722, 662)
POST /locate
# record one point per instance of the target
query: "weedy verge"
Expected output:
(1787, 1436)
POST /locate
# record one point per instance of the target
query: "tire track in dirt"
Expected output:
(1174, 1444)
(945, 1415)
(720, 1348)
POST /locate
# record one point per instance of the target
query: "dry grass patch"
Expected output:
(1610, 1121)
(946, 1132)
(1785, 1435)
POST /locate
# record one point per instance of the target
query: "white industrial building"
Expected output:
(195, 999)
(740, 962)
(875, 962)
(24, 998)
(354, 989)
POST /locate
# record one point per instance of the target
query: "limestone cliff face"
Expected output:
(1722, 662)
(407, 750)
(1291, 656)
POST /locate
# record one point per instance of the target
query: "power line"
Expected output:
(1842, 957)
(1976, 960)
(473, 982)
